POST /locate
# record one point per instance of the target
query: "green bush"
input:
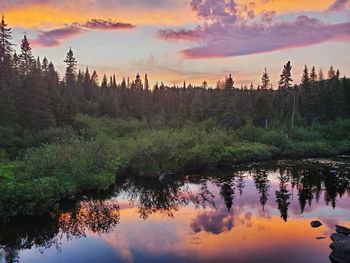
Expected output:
(56, 135)
(338, 130)
(246, 152)
(92, 127)
(343, 147)
(308, 149)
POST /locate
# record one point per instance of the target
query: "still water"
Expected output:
(252, 213)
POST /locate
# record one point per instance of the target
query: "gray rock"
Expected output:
(339, 237)
(339, 257)
(315, 224)
(341, 248)
(342, 230)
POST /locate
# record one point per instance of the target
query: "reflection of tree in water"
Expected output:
(168, 196)
(261, 182)
(227, 193)
(283, 195)
(96, 216)
(335, 185)
(240, 181)
(310, 183)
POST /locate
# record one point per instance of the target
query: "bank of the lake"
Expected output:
(37, 171)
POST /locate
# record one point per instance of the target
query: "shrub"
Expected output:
(308, 149)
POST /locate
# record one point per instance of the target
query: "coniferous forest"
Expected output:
(63, 135)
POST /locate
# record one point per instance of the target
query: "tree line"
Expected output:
(34, 97)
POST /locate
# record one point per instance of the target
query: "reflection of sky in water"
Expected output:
(247, 232)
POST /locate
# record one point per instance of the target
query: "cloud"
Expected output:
(183, 34)
(338, 5)
(53, 38)
(215, 222)
(106, 25)
(267, 16)
(227, 31)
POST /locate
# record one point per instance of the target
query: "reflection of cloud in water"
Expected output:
(214, 222)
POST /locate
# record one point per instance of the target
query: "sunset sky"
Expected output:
(186, 40)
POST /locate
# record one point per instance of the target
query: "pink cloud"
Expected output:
(106, 25)
(338, 6)
(183, 34)
(53, 38)
(226, 32)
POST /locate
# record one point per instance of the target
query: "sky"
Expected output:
(186, 40)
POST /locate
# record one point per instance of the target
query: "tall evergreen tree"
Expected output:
(331, 73)
(5, 52)
(229, 82)
(265, 80)
(71, 68)
(305, 80)
(146, 83)
(285, 81)
(320, 75)
(313, 75)
(26, 57)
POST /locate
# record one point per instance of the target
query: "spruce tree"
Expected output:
(285, 81)
(305, 80)
(26, 57)
(146, 83)
(331, 73)
(313, 75)
(70, 75)
(265, 80)
(229, 82)
(5, 52)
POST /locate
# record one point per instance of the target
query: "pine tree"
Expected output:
(104, 83)
(265, 80)
(320, 75)
(285, 81)
(331, 73)
(26, 57)
(337, 74)
(70, 75)
(146, 83)
(313, 75)
(229, 82)
(305, 80)
(138, 82)
(5, 52)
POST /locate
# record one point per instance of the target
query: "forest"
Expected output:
(61, 136)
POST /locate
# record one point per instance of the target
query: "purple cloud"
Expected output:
(215, 222)
(338, 5)
(227, 33)
(267, 16)
(106, 25)
(183, 34)
(53, 38)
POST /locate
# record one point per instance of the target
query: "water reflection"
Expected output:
(208, 205)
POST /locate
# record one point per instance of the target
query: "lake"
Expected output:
(259, 212)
